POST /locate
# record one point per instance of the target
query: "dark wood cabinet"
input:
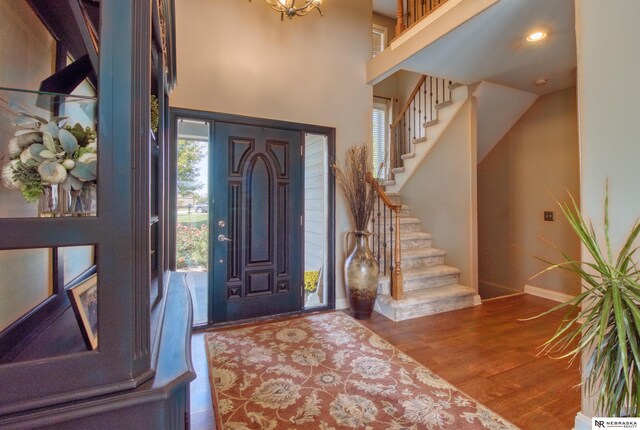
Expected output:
(138, 377)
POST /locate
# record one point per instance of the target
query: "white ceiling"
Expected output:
(385, 7)
(492, 46)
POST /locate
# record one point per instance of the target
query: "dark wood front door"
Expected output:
(256, 232)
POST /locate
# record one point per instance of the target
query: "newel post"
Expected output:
(397, 291)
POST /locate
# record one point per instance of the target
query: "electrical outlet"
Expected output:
(548, 215)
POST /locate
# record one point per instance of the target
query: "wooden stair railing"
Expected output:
(412, 11)
(386, 240)
(419, 110)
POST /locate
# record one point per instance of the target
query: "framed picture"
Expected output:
(84, 300)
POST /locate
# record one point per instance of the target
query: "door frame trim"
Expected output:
(212, 117)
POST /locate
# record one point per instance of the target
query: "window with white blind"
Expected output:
(380, 136)
(379, 39)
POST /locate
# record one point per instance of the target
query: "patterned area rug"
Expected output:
(328, 372)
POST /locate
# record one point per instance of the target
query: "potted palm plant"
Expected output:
(604, 320)
(361, 267)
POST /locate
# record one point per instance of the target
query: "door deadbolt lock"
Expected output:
(221, 223)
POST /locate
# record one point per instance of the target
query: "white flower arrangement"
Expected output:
(52, 152)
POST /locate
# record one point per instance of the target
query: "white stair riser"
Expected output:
(435, 281)
(384, 287)
(412, 226)
(414, 244)
(421, 261)
(424, 309)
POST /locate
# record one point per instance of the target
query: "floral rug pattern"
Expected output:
(329, 372)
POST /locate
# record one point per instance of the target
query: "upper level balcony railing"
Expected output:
(412, 11)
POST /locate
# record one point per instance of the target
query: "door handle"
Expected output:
(223, 238)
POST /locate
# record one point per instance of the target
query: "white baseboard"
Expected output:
(547, 294)
(342, 304)
(477, 300)
(582, 422)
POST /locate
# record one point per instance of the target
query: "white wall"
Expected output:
(397, 87)
(534, 162)
(442, 194)
(237, 57)
(608, 115)
(499, 107)
(386, 22)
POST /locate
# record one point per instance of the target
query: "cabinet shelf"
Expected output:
(68, 97)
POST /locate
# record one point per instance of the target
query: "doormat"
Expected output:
(326, 372)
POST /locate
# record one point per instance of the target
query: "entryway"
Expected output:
(253, 216)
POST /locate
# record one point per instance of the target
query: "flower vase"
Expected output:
(80, 202)
(49, 204)
(361, 276)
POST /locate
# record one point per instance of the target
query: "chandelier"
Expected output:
(288, 7)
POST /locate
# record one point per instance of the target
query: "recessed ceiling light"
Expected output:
(537, 36)
(540, 82)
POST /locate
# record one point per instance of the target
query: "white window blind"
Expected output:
(379, 40)
(379, 136)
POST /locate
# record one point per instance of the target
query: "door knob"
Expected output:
(223, 238)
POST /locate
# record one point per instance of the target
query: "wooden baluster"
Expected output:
(400, 26)
(397, 291)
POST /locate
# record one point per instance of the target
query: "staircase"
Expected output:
(414, 279)
(420, 124)
(430, 286)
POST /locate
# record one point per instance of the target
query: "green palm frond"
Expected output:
(604, 320)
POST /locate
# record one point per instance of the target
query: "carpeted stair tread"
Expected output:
(425, 272)
(411, 235)
(422, 252)
(429, 272)
(429, 295)
(409, 220)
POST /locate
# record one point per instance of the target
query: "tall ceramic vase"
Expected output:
(361, 276)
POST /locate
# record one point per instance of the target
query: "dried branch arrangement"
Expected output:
(351, 175)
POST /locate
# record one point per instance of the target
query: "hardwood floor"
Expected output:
(484, 351)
